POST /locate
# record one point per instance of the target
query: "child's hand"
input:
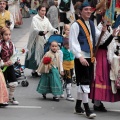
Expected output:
(5, 63)
(62, 73)
(10, 62)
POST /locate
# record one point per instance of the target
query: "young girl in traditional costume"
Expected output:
(7, 54)
(50, 67)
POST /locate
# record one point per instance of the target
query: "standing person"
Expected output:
(76, 7)
(68, 66)
(34, 5)
(7, 54)
(39, 33)
(66, 10)
(25, 8)
(50, 79)
(82, 39)
(68, 63)
(114, 60)
(3, 91)
(101, 85)
(6, 18)
(14, 8)
(45, 3)
(100, 10)
(52, 14)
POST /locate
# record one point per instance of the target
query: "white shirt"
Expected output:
(74, 43)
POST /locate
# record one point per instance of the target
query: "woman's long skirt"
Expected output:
(101, 85)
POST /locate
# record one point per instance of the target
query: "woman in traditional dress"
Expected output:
(101, 85)
(40, 31)
(14, 9)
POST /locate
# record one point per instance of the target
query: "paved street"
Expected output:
(33, 107)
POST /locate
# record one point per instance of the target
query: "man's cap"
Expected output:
(84, 4)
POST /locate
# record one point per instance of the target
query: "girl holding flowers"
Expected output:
(50, 67)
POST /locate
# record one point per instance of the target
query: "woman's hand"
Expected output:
(104, 28)
(115, 32)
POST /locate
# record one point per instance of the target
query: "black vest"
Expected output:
(65, 5)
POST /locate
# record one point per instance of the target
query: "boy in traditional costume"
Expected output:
(68, 66)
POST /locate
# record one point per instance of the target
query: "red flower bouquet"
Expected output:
(47, 60)
(23, 51)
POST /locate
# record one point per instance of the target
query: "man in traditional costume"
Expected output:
(6, 18)
(82, 39)
(39, 33)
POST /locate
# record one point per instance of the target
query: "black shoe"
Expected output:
(44, 96)
(35, 74)
(3, 105)
(100, 108)
(56, 99)
(79, 111)
(90, 114)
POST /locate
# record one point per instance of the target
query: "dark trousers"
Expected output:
(9, 74)
(84, 74)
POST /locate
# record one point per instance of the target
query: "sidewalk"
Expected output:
(22, 44)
